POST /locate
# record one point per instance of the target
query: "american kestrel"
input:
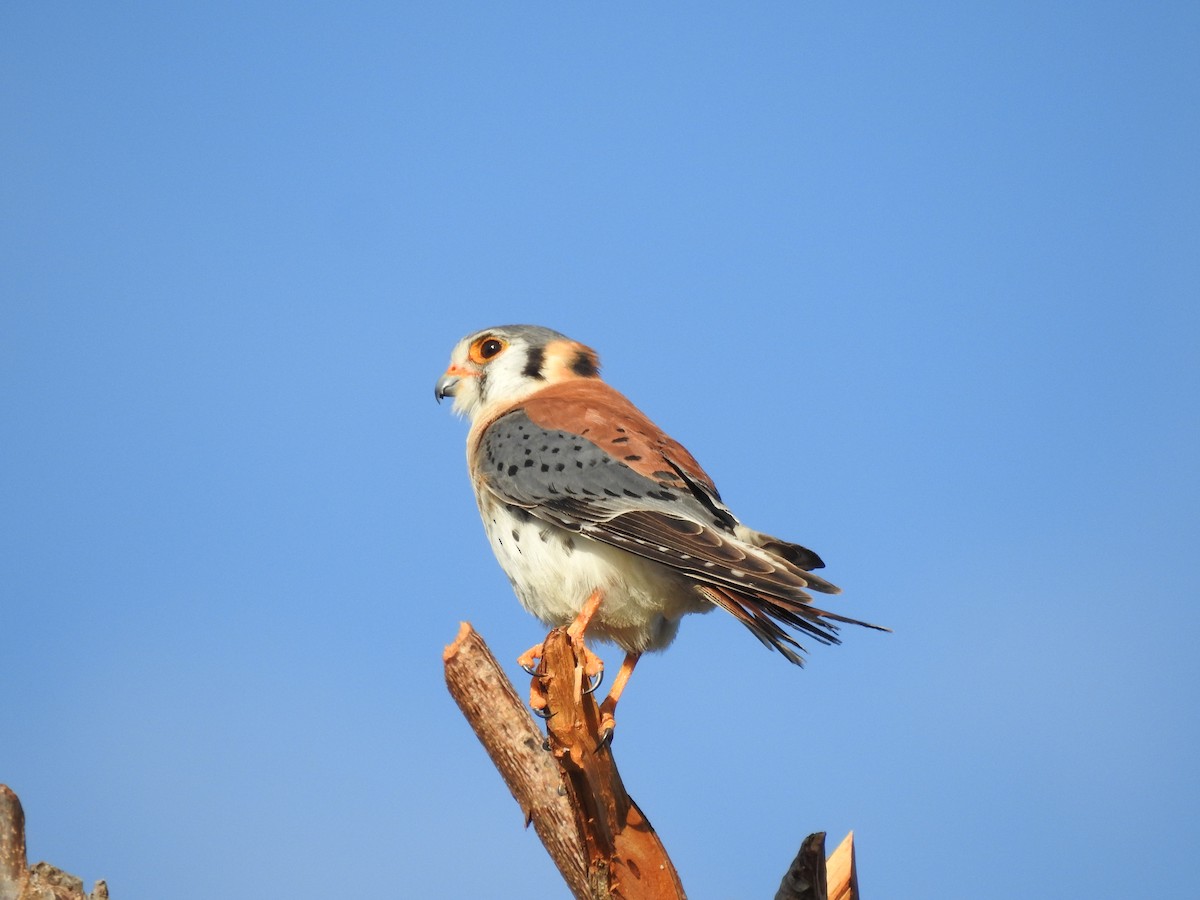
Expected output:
(604, 523)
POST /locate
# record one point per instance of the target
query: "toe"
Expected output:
(607, 726)
(529, 659)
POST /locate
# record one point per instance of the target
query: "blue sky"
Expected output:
(918, 286)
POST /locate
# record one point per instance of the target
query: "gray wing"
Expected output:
(566, 479)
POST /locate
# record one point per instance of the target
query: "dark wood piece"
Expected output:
(806, 878)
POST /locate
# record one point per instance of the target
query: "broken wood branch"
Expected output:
(806, 877)
(843, 873)
(625, 857)
(567, 782)
(812, 877)
(514, 742)
(568, 786)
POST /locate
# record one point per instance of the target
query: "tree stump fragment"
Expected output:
(42, 881)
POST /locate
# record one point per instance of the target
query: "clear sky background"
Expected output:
(918, 284)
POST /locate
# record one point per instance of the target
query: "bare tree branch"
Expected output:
(568, 786)
(572, 793)
(515, 744)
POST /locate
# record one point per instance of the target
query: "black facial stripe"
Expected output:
(533, 363)
(582, 365)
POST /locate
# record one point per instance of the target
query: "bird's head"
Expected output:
(502, 365)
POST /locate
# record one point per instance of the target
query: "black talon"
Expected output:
(605, 740)
(529, 670)
(595, 684)
(542, 712)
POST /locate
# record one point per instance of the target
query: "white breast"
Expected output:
(554, 572)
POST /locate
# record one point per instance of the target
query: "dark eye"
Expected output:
(486, 348)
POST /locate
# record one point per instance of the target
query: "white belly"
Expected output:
(554, 572)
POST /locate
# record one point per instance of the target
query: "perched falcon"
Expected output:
(600, 520)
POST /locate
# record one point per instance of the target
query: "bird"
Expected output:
(605, 524)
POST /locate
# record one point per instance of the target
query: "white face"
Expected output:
(496, 366)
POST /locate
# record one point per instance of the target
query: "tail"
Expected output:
(765, 614)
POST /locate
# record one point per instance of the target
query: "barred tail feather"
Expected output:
(762, 615)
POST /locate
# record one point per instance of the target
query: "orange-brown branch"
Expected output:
(625, 857)
(572, 793)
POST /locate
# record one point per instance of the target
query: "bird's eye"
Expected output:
(486, 348)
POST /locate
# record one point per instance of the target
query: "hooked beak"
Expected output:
(448, 383)
(445, 387)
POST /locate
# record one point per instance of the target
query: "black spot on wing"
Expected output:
(607, 501)
(566, 479)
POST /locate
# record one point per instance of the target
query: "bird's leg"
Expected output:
(593, 665)
(607, 720)
(592, 668)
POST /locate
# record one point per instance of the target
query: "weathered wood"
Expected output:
(805, 878)
(13, 864)
(601, 842)
(626, 860)
(514, 742)
(843, 873)
(41, 881)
